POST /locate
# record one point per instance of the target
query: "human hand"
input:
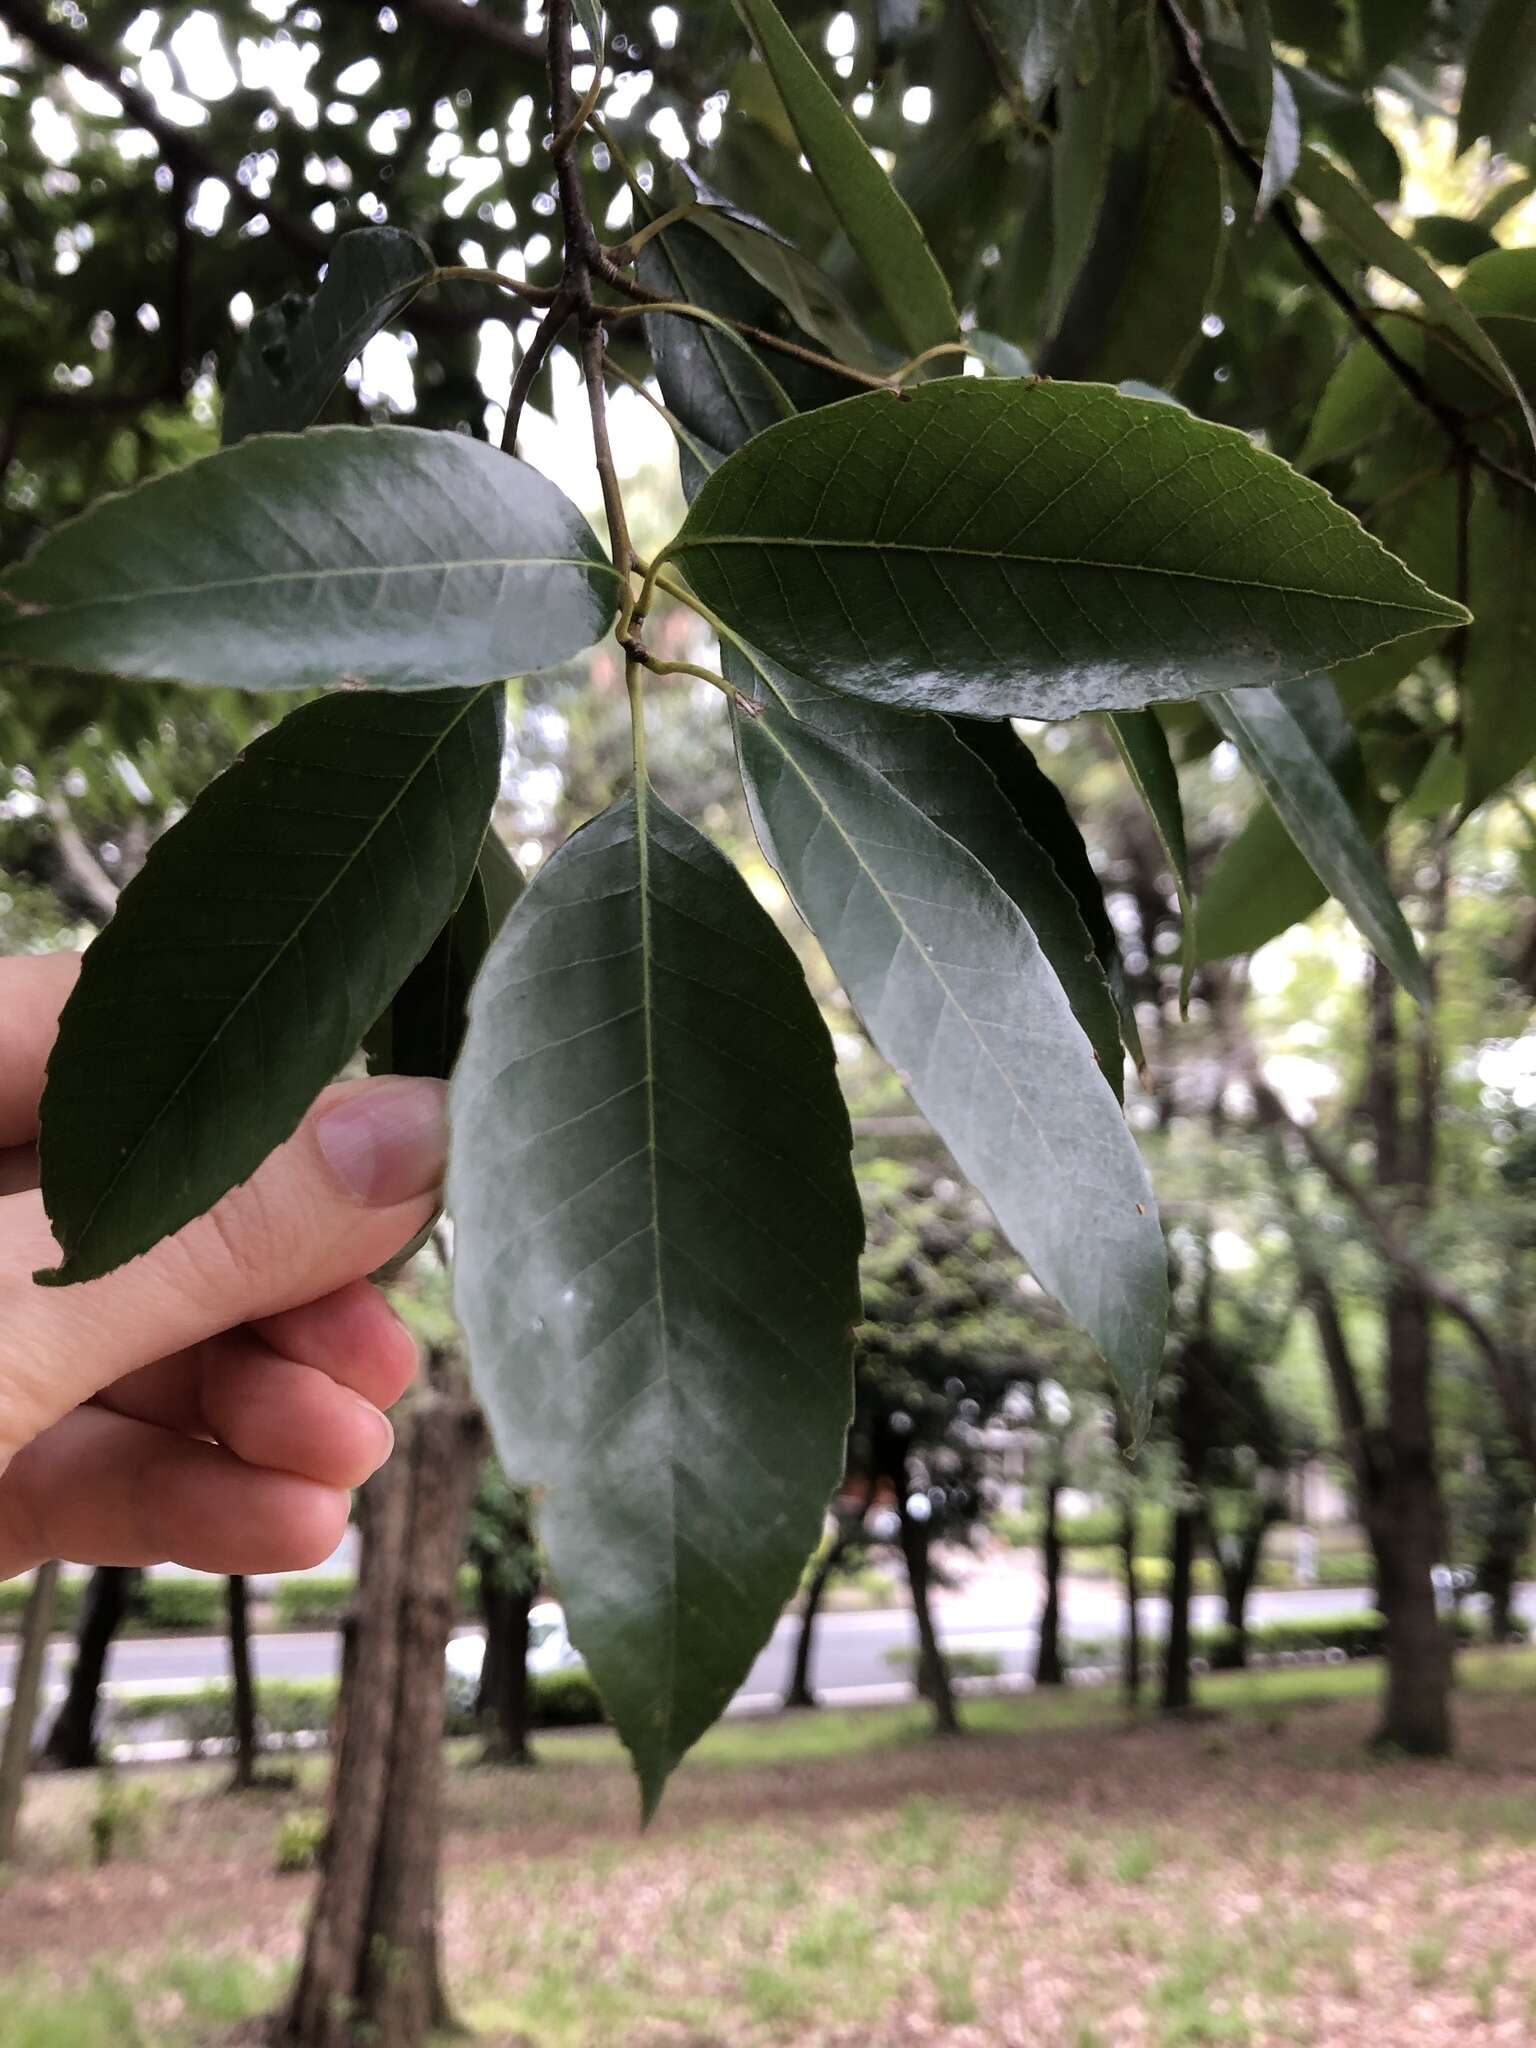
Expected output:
(213, 1402)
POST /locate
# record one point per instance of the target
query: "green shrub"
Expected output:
(962, 1663)
(1346, 1568)
(564, 1699)
(318, 1600)
(300, 1839)
(15, 1593)
(166, 1604)
(120, 1818)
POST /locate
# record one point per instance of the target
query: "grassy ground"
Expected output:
(1060, 1878)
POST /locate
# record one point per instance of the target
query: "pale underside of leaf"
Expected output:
(956, 993)
(383, 555)
(656, 1257)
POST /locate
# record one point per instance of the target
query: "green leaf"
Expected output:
(1042, 810)
(1498, 95)
(871, 212)
(1276, 117)
(295, 353)
(1143, 747)
(805, 291)
(1316, 813)
(1080, 159)
(1036, 37)
(656, 1246)
(1342, 203)
(1154, 267)
(266, 931)
(1498, 700)
(1362, 398)
(453, 564)
(959, 997)
(935, 766)
(423, 1028)
(1035, 550)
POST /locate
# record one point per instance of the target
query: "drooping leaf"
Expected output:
(451, 564)
(1277, 122)
(295, 353)
(1151, 275)
(1035, 550)
(1498, 95)
(594, 22)
(423, 1028)
(265, 933)
(871, 212)
(1363, 396)
(1143, 747)
(949, 781)
(656, 1248)
(1498, 670)
(1316, 813)
(1080, 159)
(805, 291)
(1036, 37)
(1042, 810)
(722, 387)
(1348, 209)
(958, 996)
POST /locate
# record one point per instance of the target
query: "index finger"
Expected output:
(33, 989)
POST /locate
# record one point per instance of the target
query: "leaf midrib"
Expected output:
(428, 760)
(883, 547)
(71, 607)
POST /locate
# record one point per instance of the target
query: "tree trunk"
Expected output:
(244, 1688)
(371, 1969)
(72, 1743)
(1130, 1672)
(502, 1704)
(800, 1693)
(26, 1688)
(932, 1667)
(1238, 1565)
(1178, 1692)
(1049, 1669)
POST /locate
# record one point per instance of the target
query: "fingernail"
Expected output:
(386, 1141)
(381, 1428)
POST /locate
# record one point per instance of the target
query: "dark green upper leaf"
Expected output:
(385, 555)
(265, 933)
(959, 997)
(874, 216)
(657, 1237)
(1318, 816)
(1498, 672)
(1036, 549)
(295, 352)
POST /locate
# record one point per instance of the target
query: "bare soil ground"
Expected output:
(1058, 1878)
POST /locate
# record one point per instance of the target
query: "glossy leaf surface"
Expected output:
(957, 994)
(450, 564)
(1036, 550)
(656, 1259)
(265, 933)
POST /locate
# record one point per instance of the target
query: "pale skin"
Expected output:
(214, 1402)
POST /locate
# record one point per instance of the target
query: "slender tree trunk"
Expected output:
(26, 1689)
(371, 1968)
(1178, 1691)
(502, 1704)
(1130, 1671)
(243, 1685)
(1239, 1568)
(932, 1666)
(800, 1693)
(72, 1743)
(1049, 1669)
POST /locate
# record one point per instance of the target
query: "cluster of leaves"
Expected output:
(657, 1228)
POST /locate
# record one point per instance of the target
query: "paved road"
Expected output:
(852, 1650)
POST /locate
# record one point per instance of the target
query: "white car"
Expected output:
(549, 1649)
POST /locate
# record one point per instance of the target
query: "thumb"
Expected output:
(354, 1183)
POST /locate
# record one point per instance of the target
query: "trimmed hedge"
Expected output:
(164, 1604)
(15, 1593)
(321, 1599)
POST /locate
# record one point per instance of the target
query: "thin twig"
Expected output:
(1198, 84)
(544, 337)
